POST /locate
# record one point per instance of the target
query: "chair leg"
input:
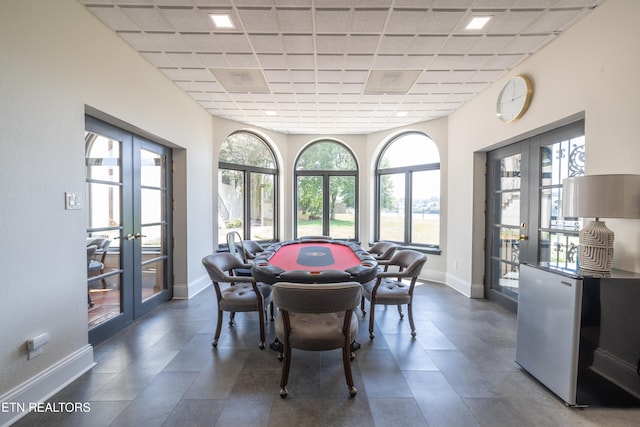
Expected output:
(284, 379)
(346, 362)
(271, 311)
(362, 306)
(400, 312)
(232, 317)
(413, 326)
(261, 319)
(372, 310)
(218, 329)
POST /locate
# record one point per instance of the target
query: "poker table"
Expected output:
(314, 261)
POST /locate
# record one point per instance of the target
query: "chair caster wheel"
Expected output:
(280, 357)
(283, 393)
(352, 357)
(214, 343)
(353, 391)
(261, 345)
(230, 322)
(413, 334)
(402, 317)
(371, 335)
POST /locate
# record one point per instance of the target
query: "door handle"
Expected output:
(129, 236)
(139, 236)
(523, 237)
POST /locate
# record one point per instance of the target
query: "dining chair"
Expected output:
(316, 317)
(383, 251)
(390, 287)
(91, 250)
(243, 294)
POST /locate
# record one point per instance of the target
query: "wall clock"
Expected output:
(514, 99)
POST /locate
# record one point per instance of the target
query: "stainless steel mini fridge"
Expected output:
(578, 336)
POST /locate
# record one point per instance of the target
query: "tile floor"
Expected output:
(459, 371)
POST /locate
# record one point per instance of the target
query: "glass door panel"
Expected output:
(104, 273)
(153, 287)
(310, 206)
(508, 223)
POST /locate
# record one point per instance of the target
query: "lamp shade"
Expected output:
(601, 196)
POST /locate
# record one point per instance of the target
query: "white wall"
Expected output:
(591, 70)
(55, 59)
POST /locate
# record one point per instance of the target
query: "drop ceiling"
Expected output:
(336, 66)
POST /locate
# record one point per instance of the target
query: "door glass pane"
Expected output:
(425, 207)
(262, 207)
(152, 170)
(230, 203)
(309, 204)
(342, 216)
(392, 222)
(152, 277)
(506, 263)
(151, 204)
(102, 158)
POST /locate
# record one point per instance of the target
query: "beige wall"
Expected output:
(55, 59)
(592, 71)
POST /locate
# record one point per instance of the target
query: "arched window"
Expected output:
(247, 183)
(326, 191)
(408, 191)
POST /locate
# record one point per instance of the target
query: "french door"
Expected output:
(524, 208)
(128, 204)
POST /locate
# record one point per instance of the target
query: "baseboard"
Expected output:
(44, 385)
(465, 288)
(189, 290)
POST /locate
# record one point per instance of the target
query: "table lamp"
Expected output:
(599, 196)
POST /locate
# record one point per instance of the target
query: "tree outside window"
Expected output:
(326, 191)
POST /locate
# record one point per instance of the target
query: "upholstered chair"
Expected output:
(395, 287)
(243, 294)
(316, 317)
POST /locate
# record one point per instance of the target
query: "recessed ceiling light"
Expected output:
(222, 21)
(402, 113)
(477, 22)
(270, 113)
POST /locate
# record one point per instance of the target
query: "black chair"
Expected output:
(316, 318)
(389, 288)
(243, 294)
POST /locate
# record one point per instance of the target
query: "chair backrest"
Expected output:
(315, 239)
(251, 248)
(102, 246)
(409, 261)
(219, 265)
(317, 298)
(383, 250)
(234, 243)
(91, 250)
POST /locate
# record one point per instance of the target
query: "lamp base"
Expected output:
(596, 247)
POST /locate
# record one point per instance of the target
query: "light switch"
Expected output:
(71, 200)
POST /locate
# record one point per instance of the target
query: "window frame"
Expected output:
(407, 171)
(247, 171)
(326, 175)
